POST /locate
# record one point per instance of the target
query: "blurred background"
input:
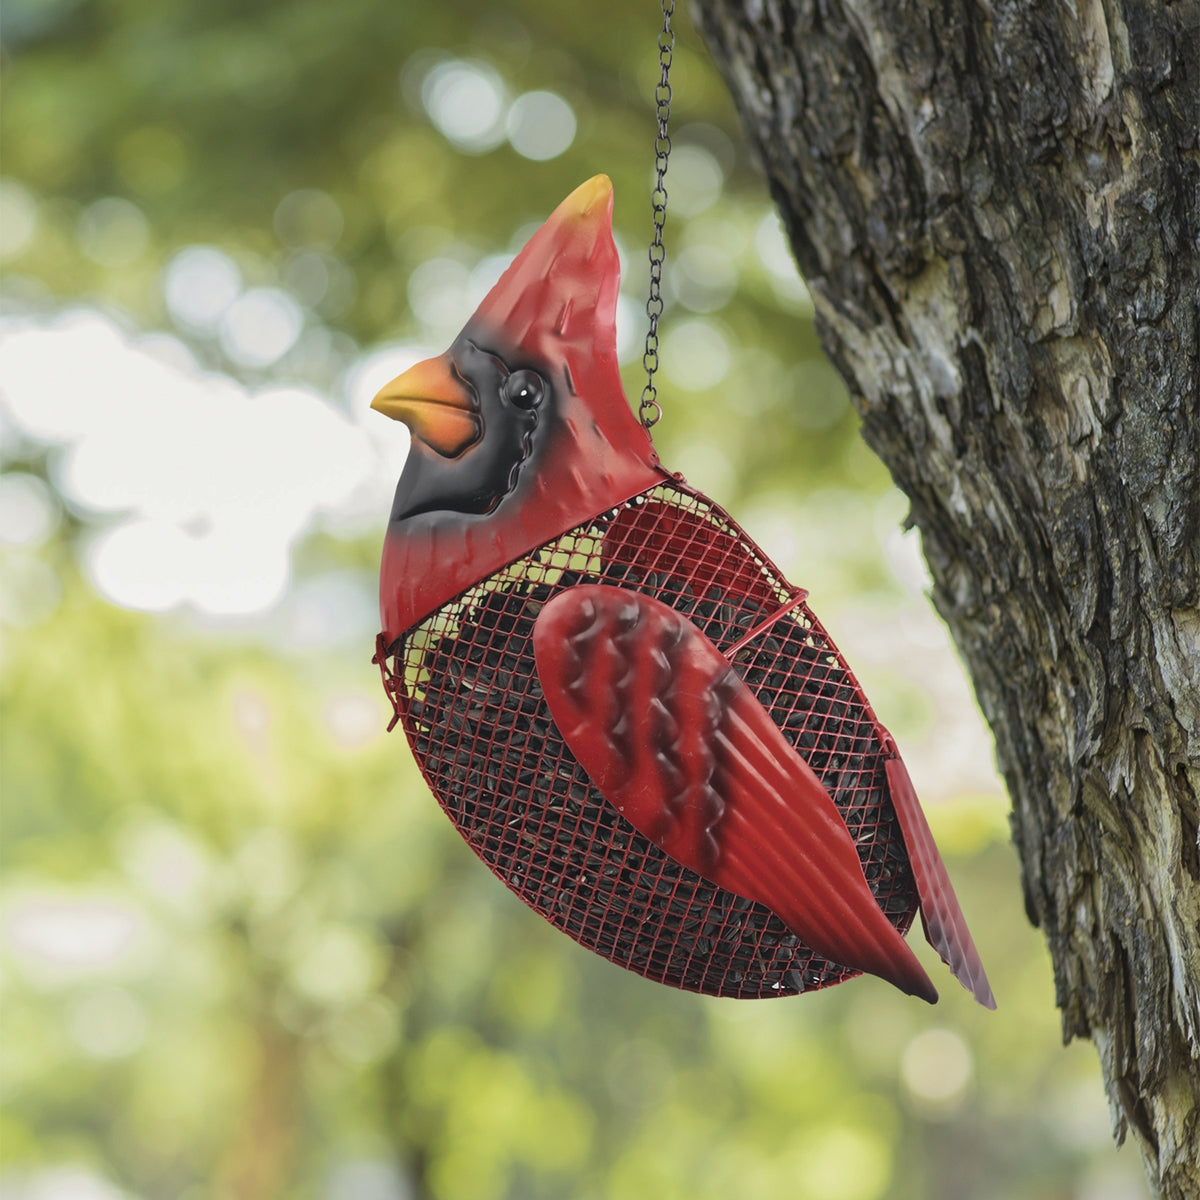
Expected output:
(242, 953)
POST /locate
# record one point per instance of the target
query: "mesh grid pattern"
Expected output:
(465, 687)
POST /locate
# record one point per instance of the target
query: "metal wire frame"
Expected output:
(464, 686)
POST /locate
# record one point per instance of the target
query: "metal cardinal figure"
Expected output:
(628, 713)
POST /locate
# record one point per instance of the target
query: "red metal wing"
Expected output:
(679, 745)
(942, 918)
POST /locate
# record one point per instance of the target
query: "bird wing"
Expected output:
(942, 918)
(681, 747)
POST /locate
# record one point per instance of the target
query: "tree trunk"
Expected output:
(995, 208)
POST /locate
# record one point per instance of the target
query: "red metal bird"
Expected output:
(631, 717)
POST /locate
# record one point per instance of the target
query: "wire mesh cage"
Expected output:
(464, 685)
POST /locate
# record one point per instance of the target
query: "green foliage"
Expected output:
(243, 954)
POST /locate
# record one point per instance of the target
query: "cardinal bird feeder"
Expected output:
(629, 714)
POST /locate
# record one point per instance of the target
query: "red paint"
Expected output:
(686, 723)
(675, 740)
(941, 917)
(556, 305)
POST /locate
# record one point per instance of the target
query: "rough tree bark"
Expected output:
(995, 205)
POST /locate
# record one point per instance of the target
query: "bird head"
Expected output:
(521, 429)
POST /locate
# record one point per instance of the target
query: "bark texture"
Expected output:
(996, 208)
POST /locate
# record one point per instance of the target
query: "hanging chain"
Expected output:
(649, 410)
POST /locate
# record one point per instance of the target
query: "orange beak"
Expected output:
(435, 403)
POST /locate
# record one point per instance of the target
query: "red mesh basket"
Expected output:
(465, 688)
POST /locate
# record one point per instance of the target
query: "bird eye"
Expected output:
(524, 389)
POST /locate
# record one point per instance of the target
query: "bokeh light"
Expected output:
(166, 862)
(540, 126)
(112, 231)
(320, 281)
(467, 102)
(309, 217)
(199, 285)
(62, 1183)
(260, 327)
(367, 1179)
(214, 483)
(696, 179)
(29, 512)
(438, 292)
(18, 218)
(936, 1068)
(705, 277)
(70, 935)
(696, 354)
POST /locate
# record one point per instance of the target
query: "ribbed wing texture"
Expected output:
(942, 918)
(673, 739)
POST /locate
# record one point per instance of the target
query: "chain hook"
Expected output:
(649, 410)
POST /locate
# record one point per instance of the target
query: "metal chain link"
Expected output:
(649, 410)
